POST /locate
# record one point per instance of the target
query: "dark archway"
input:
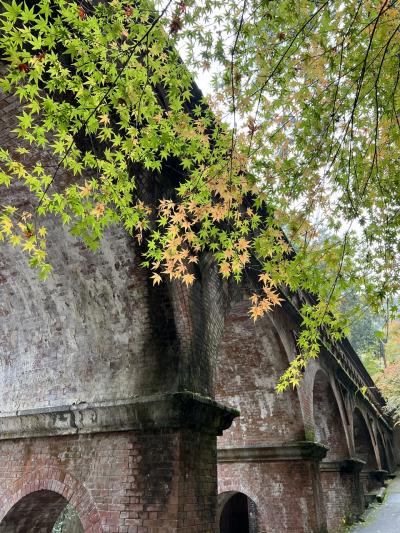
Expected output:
(392, 460)
(237, 513)
(362, 441)
(329, 428)
(383, 454)
(40, 512)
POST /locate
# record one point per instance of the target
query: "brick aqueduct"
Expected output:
(113, 393)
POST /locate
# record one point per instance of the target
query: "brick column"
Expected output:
(342, 491)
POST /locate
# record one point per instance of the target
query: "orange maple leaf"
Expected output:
(188, 279)
(157, 279)
(225, 269)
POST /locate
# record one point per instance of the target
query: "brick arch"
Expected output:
(56, 482)
(363, 440)
(37, 511)
(391, 455)
(251, 359)
(329, 426)
(231, 507)
(383, 455)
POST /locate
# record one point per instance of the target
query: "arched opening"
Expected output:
(383, 454)
(238, 513)
(42, 511)
(392, 460)
(251, 360)
(362, 440)
(329, 429)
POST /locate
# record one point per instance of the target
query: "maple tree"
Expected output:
(387, 377)
(388, 382)
(301, 134)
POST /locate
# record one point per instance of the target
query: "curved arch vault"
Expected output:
(41, 511)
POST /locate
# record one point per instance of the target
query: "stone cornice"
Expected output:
(293, 451)
(177, 410)
(346, 466)
(378, 475)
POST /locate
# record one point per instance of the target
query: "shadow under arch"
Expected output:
(328, 422)
(251, 359)
(383, 455)
(60, 484)
(392, 457)
(39, 511)
(237, 513)
(363, 443)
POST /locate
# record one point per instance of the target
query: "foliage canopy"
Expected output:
(290, 169)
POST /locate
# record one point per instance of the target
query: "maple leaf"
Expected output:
(188, 279)
(23, 67)
(26, 215)
(255, 312)
(85, 190)
(244, 258)
(98, 211)
(104, 119)
(225, 269)
(265, 305)
(176, 24)
(243, 244)
(157, 279)
(254, 298)
(275, 298)
(265, 278)
(29, 245)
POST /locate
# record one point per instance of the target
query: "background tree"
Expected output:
(301, 133)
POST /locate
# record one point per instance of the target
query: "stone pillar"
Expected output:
(371, 481)
(343, 496)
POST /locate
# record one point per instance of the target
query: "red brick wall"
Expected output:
(119, 482)
(251, 359)
(341, 499)
(362, 440)
(329, 429)
(282, 492)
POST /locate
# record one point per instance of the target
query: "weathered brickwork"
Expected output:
(89, 365)
(118, 482)
(46, 327)
(295, 486)
(246, 380)
(107, 388)
(282, 492)
(341, 498)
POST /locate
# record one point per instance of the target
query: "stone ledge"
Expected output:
(346, 466)
(294, 451)
(377, 475)
(177, 410)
